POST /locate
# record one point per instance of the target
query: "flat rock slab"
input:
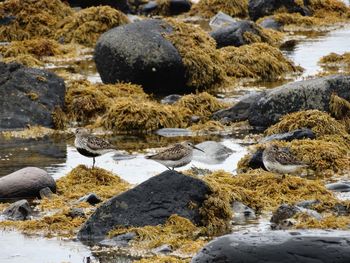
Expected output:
(278, 247)
(150, 203)
(25, 183)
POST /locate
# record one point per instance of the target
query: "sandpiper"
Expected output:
(177, 155)
(281, 160)
(91, 146)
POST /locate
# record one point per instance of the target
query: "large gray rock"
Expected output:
(261, 8)
(139, 53)
(266, 108)
(19, 210)
(25, 183)
(278, 246)
(28, 96)
(234, 34)
(150, 203)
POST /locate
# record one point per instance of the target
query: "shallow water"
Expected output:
(18, 248)
(59, 157)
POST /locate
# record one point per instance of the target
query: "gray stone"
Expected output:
(261, 8)
(45, 193)
(266, 108)
(163, 249)
(298, 134)
(221, 20)
(270, 23)
(76, 212)
(28, 96)
(339, 187)
(118, 241)
(278, 246)
(150, 203)
(91, 198)
(214, 152)
(170, 99)
(233, 34)
(307, 203)
(25, 183)
(19, 210)
(139, 53)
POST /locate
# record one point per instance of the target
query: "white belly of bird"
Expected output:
(280, 168)
(178, 163)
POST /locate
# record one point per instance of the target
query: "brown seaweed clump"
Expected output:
(209, 8)
(26, 60)
(335, 63)
(86, 26)
(163, 259)
(85, 102)
(178, 232)
(330, 221)
(37, 18)
(203, 62)
(141, 116)
(258, 61)
(58, 221)
(340, 109)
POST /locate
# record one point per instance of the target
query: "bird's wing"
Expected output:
(286, 157)
(173, 153)
(97, 143)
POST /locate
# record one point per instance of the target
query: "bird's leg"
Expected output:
(168, 168)
(93, 162)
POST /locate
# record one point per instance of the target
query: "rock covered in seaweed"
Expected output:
(269, 106)
(28, 96)
(277, 246)
(239, 33)
(209, 8)
(150, 203)
(25, 183)
(122, 5)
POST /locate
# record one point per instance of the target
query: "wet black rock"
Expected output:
(277, 246)
(91, 198)
(261, 8)
(233, 34)
(174, 7)
(298, 134)
(25, 183)
(339, 187)
(19, 210)
(150, 203)
(139, 53)
(170, 99)
(28, 96)
(266, 108)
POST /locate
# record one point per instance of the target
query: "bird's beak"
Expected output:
(194, 147)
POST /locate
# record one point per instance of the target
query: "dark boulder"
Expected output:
(28, 96)
(150, 203)
(266, 108)
(19, 210)
(261, 8)
(139, 53)
(25, 183)
(173, 7)
(234, 34)
(277, 246)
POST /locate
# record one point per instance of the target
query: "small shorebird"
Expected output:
(281, 160)
(177, 155)
(91, 146)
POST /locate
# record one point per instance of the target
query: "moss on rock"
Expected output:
(202, 61)
(31, 18)
(85, 26)
(258, 61)
(209, 8)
